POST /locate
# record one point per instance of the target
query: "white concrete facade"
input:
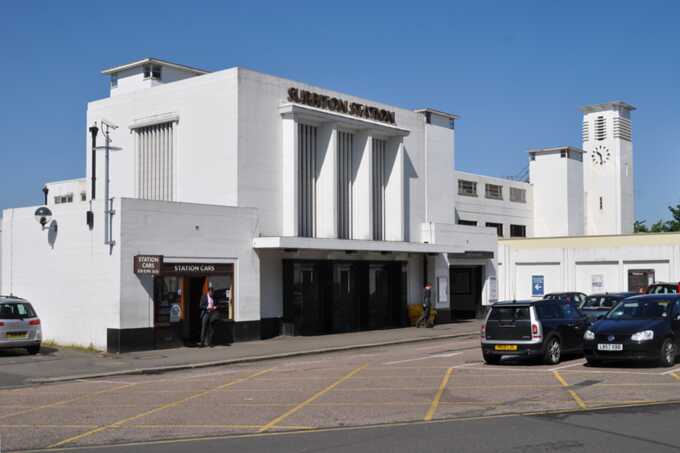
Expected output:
(220, 156)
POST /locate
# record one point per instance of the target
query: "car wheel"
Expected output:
(667, 358)
(492, 359)
(553, 352)
(33, 350)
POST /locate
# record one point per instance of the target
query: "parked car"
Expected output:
(598, 305)
(19, 325)
(575, 298)
(546, 329)
(645, 327)
(663, 288)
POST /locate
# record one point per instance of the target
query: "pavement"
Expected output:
(63, 364)
(397, 397)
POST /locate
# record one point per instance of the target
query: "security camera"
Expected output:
(43, 216)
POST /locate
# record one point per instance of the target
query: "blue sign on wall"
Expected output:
(537, 285)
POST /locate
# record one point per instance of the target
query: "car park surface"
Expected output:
(419, 382)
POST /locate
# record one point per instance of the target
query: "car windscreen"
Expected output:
(641, 309)
(593, 302)
(16, 310)
(509, 314)
(663, 289)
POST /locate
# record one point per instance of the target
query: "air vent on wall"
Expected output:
(623, 129)
(585, 131)
(600, 128)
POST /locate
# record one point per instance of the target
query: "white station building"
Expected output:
(310, 211)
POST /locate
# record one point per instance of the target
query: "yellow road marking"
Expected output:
(675, 376)
(300, 427)
(435, 402)
(573, 394)
(60, 403)
(120, 423)
(311, 399)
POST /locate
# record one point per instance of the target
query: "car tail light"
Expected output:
(535, 332)
(678, 288)
(2, 323)
(482, 331)
(34, 322)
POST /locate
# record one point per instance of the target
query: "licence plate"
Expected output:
(16, 334)
(505, 347)
(609, 347)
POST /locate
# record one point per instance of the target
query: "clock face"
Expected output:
(600, 154)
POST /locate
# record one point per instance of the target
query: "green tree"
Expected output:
(640, 227)
(674, 223)
(661, 226)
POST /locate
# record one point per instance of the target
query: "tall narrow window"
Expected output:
(155, 162)
(601, 203)
(306, 179)
(345, 145)
(600, 128)
(378, 189)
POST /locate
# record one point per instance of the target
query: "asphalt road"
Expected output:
(631, 429)
(427, 383)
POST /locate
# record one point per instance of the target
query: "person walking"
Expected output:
(427, 318)
(208, 308)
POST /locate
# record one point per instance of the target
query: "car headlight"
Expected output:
(589, 335)
(645, 335)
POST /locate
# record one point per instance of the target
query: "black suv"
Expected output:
(545, 329)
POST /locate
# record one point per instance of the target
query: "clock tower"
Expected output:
(608, 168)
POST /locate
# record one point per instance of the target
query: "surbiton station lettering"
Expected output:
(333, 104)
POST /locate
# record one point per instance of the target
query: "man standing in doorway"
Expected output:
(208, 308)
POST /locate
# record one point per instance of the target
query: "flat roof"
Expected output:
(556, 149)
(450, 116)
(612, 105)
(158, 61)
(304, 243)
(595, 241)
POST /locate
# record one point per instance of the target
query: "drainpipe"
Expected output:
(93, 130)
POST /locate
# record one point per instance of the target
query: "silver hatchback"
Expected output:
(19, 325)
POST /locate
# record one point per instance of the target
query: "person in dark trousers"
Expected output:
(426, 319)
(208, 308)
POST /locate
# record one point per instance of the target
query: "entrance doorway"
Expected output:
(323, 297)
(640, 279)
(466, 291)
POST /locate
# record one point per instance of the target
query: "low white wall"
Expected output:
(69, 275)
(574, 263)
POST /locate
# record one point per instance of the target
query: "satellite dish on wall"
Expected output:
(43, 215)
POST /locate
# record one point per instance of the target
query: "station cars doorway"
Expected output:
(178, 289)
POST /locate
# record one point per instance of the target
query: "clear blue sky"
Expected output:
(517, 71)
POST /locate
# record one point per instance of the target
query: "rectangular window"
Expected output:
(114, 80)
(467, 188)
(494, 191)
(83, 196)
(345, 145)
(57, 200)
(155, 162)
(518, 195)
(518, 231)
(152, 72)
(467, 222)
(601, 203)
(306, 180)
(379, 182)
(497, 226)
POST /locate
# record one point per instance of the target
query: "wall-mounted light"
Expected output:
(43, 216)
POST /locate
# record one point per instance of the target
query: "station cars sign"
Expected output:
(148, 264)
(338, 105)
(154, 265)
